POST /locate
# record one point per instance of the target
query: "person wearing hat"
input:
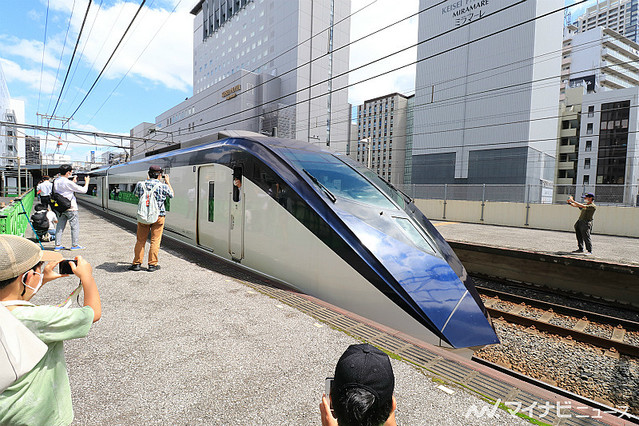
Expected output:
(162, 191)
(361, 393)
(43, 395)
(583, 226)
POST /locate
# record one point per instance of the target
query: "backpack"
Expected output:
(40, 221)
(20, 349)
(59, 204)
(148, 210)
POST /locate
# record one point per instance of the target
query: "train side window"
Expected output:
(211, 201)
(237, 183)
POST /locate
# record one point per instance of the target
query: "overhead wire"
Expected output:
(75, 48)
(108, 60)
(377, 60)
(66, 36)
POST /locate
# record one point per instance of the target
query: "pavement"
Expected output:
(605, 248)
(194, 343)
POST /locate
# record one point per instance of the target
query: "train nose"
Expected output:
(430, 287)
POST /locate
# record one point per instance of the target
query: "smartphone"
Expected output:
(328, 385)
(65, 268)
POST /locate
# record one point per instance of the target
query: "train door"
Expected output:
(236, 216)
(104, 191)
(206, 209)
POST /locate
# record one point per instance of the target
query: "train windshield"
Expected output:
(340, 179)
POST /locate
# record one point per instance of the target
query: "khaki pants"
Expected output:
(156, 236)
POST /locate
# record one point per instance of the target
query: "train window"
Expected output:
(237, 183)
(413, 234)
(339, 178)
(211, 201)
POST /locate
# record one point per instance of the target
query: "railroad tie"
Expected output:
(618, 333)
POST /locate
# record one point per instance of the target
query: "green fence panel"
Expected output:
(13, 220)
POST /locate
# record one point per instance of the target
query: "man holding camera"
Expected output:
(361, 393)
(66, 187)
(159, 192)
(43, 394)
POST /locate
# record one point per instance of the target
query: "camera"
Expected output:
(64, 268)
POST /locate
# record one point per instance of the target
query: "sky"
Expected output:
(152, 69)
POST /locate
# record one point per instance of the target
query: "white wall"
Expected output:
(608, 220)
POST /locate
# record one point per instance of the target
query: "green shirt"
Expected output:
(587, 212)
(43, 395)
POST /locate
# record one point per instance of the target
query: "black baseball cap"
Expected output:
(589, 195)
(365, 366)
(155, 168)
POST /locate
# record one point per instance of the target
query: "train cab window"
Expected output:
(211, 201)
(237, 183)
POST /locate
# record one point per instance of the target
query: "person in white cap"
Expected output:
(43, 395)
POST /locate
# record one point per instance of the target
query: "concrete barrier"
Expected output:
(609, 220)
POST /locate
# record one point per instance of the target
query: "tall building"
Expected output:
(381, 136)
(599, 59)
(270, 67)
(617, 15)
(486, 97)
(32, 149)
(608, 145)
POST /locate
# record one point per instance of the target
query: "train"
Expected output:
(315, 221)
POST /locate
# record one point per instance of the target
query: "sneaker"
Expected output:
(77, 248)
(577, 251)
(153, 268)
(135, 267)
(588, 253)
(58, 248)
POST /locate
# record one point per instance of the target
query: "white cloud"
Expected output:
(30, 50)
(382, 43)
(31, 77)
(167, 56)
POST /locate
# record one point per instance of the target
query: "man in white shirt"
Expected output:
(67, 188)
(44, 190)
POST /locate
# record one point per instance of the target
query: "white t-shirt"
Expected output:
(52, 219)
(45, 188)
(67, 189)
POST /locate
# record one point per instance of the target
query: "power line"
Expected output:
(44, 48)
(77, 42)
(109, 60)
(64, 45)
(377, 60)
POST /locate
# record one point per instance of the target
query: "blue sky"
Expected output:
(152, 70)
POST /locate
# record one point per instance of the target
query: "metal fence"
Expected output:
(14, 218)
(617, 195)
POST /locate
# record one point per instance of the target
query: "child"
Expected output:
(43, 395)
(40, 222)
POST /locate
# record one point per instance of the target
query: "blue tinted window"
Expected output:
(338, 177)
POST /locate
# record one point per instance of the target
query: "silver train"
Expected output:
(316, 222)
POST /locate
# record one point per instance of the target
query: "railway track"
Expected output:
(616, 335)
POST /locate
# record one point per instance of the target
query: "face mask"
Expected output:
(35, 290)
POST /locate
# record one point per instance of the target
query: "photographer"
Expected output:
(66, 187)
(361, 393)
(43, 395)
(152, 190)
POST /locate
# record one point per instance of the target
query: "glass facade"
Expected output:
(613, 142)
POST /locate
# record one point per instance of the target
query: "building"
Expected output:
(32, 149)
(482, 93)
(381, 136)
(608, 156)
(269, 67)
(8, 134)
(599, 59)
(617, 15)
(568, 142)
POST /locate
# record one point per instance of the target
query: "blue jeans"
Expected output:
(70, 216)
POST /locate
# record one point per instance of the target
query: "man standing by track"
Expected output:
(44, 190)
(66, 187)
(156, 191)
(583, 226)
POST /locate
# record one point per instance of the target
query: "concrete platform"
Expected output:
(605, 248)
(201, 342)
